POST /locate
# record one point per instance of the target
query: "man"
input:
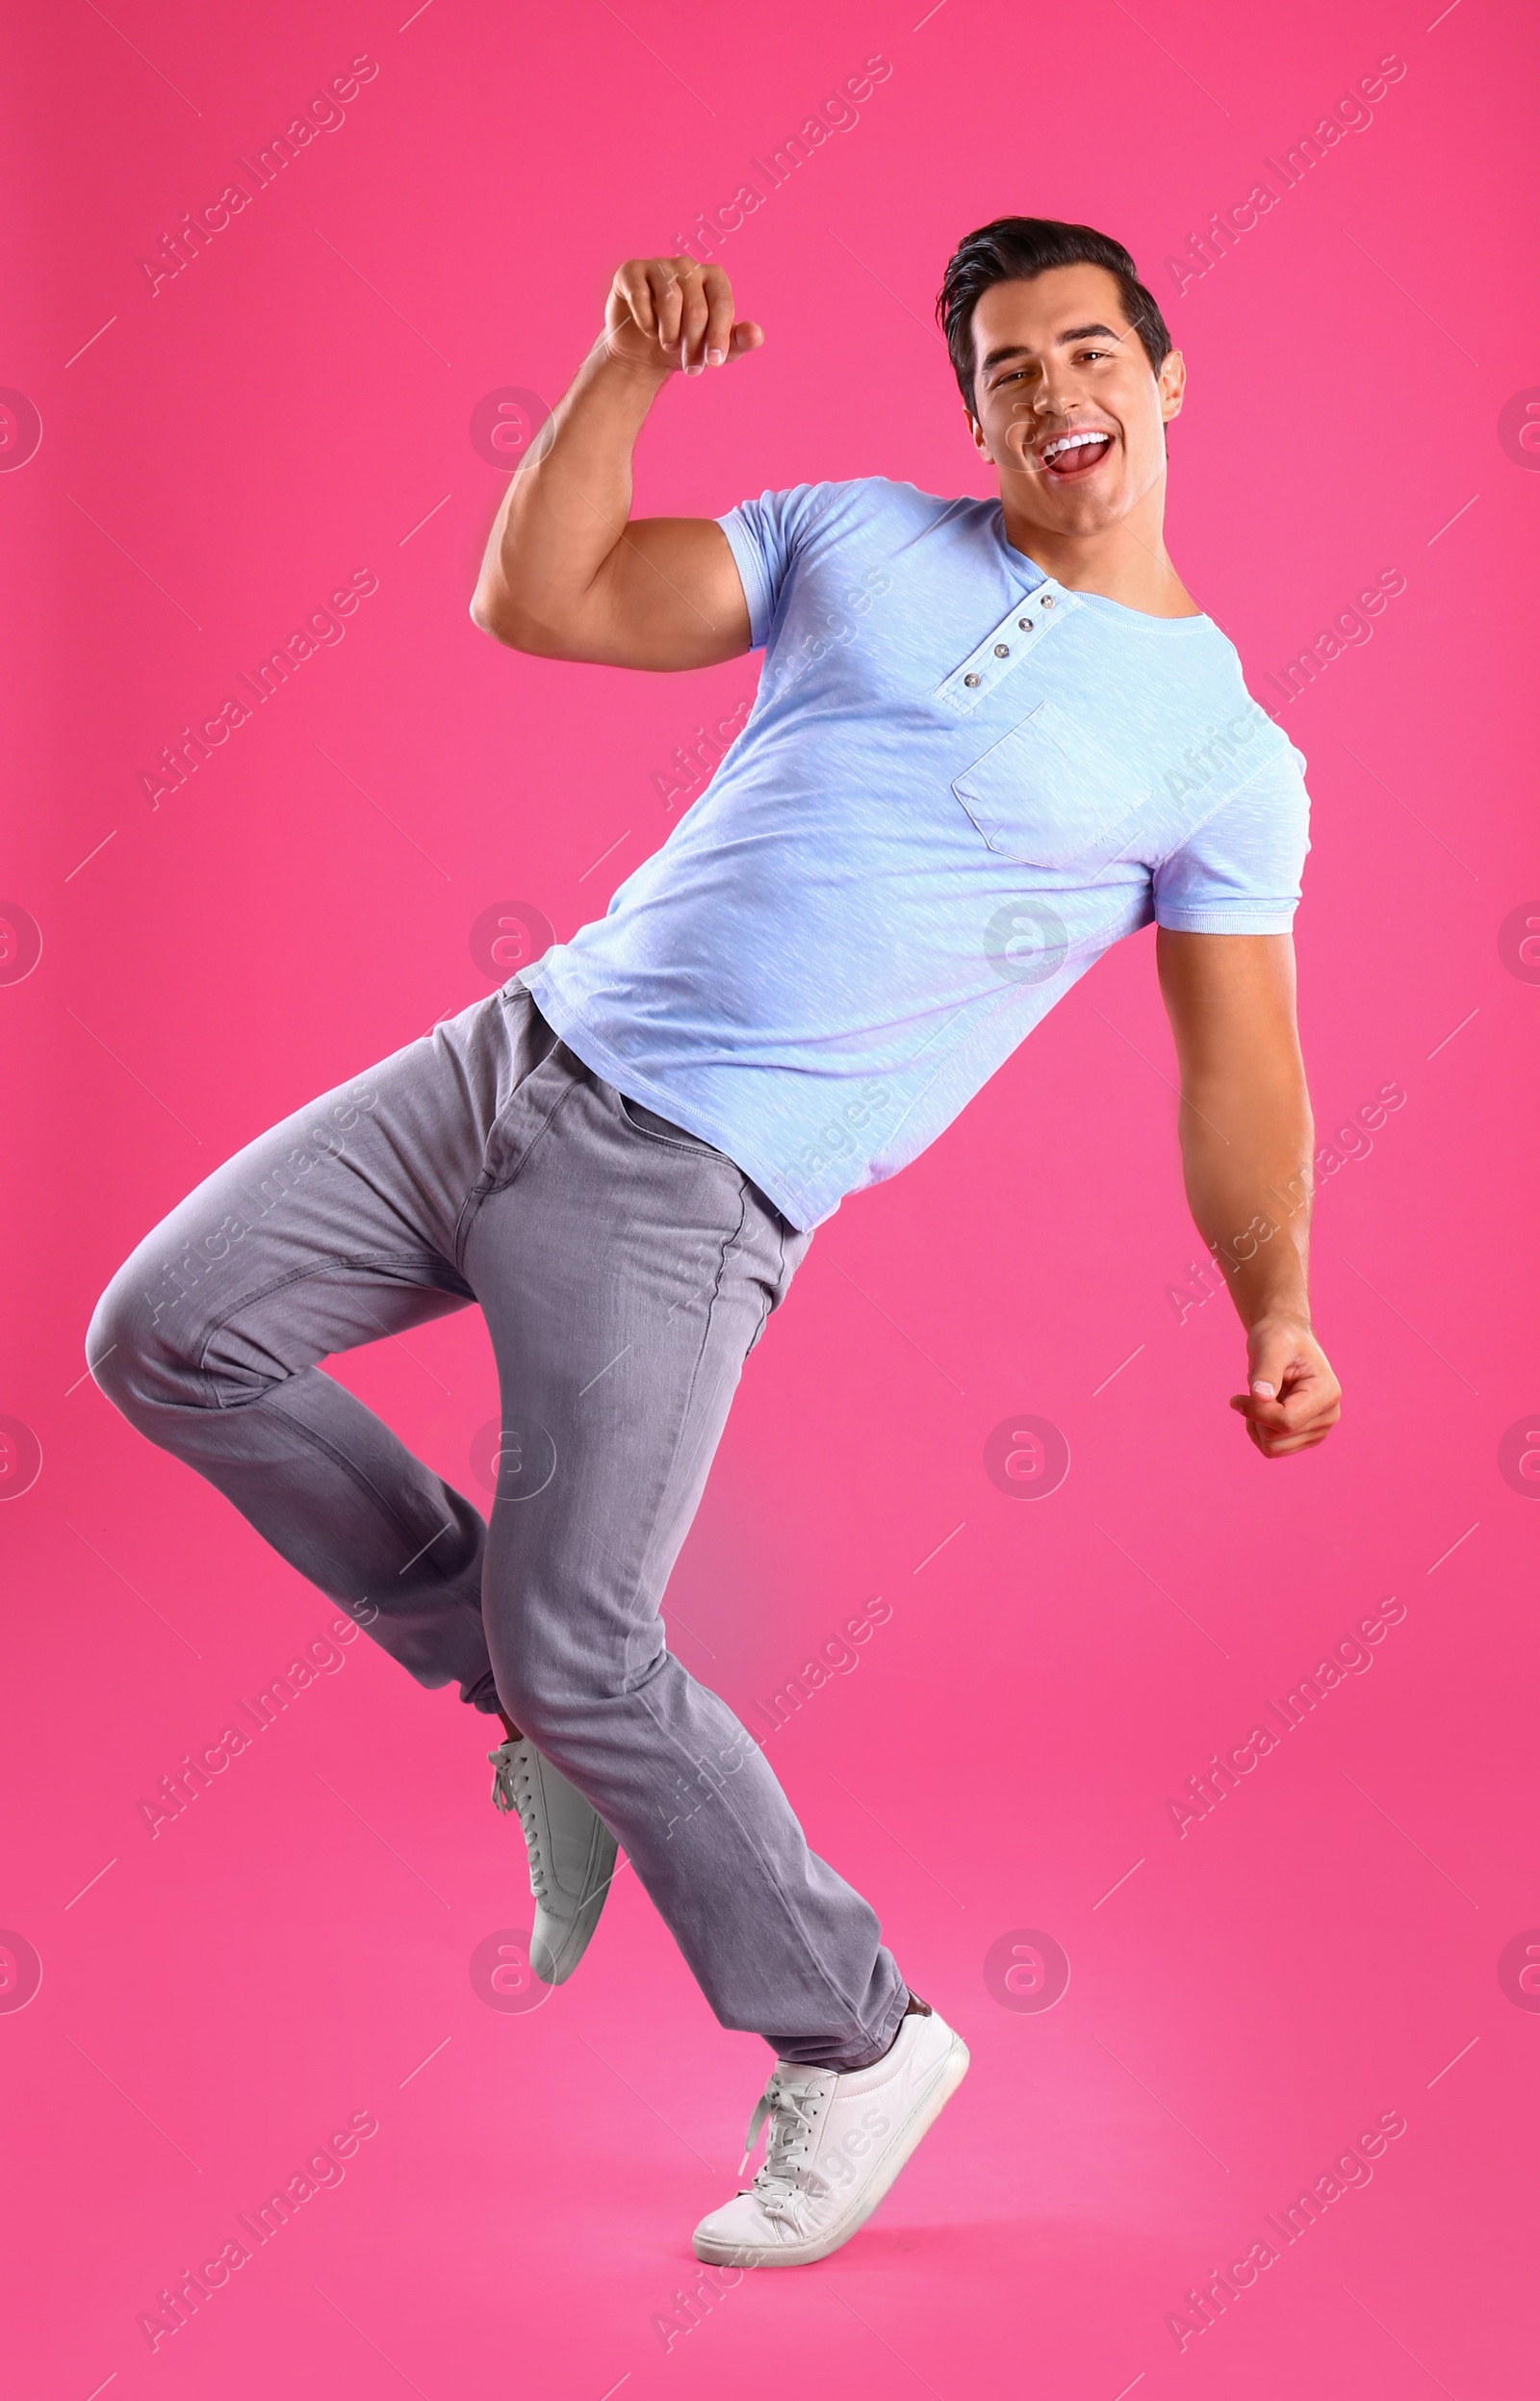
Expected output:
(991, 739)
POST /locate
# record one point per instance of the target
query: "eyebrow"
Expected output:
(1019, 350)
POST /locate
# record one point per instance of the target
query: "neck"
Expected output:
(1127, 562)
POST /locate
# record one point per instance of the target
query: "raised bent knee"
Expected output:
(129, 1352)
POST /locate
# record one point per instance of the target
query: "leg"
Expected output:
(336, 1227)
(626, 1269)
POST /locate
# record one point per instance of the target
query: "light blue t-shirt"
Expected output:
(960, 784)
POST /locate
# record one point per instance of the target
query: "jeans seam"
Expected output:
(772, 1300)
(724, 1249)
(788, 1914)
(770, 1880)
(730, 1241)
(270, 1392)
(339, 1458)
(279, 1284)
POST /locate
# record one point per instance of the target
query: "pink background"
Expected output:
(215, 460)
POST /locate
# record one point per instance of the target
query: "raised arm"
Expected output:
(1247, 1141)
(567, 574)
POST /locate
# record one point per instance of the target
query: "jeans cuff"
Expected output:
(845, 2059)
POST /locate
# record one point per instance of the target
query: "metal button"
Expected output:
(1046, 601)
(1002, 650)
(1025, 623)
(970, 680)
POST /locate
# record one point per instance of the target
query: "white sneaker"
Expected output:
(835, 2146)
(571, 1855)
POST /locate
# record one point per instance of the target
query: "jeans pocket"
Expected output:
(519, 1122)
(662, 1130)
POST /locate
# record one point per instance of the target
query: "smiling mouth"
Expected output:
(1073, 457)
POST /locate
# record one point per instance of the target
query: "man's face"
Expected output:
(1066, 403)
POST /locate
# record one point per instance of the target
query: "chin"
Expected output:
(1086, 513)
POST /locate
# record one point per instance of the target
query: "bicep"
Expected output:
(668, 595)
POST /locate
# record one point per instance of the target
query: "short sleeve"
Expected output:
(1239, 873)
(765, 536)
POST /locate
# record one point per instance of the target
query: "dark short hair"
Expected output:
(1013, 247)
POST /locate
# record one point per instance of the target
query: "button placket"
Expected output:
(999, 654)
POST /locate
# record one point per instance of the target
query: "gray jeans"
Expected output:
(626, 1269)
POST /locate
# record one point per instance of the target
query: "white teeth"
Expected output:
(1073, 442)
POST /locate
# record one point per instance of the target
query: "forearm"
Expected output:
(1246, 1162)
(1247, 1144)
(567, 507)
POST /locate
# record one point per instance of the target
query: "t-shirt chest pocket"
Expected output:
(1050, 794)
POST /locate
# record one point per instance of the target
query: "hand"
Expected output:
(1294, 1398)
(672, 314)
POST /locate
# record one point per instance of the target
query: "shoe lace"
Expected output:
(791, 2108)
(513, 1792)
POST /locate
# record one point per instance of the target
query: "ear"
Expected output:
(1172, 384)
(976, 432)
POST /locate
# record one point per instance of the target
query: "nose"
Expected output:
(1049, 396)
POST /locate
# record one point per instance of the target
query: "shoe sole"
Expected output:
(553, 1967)
(921, 2118)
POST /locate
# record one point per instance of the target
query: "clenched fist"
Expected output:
(1292, 1400)
(674, 315)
